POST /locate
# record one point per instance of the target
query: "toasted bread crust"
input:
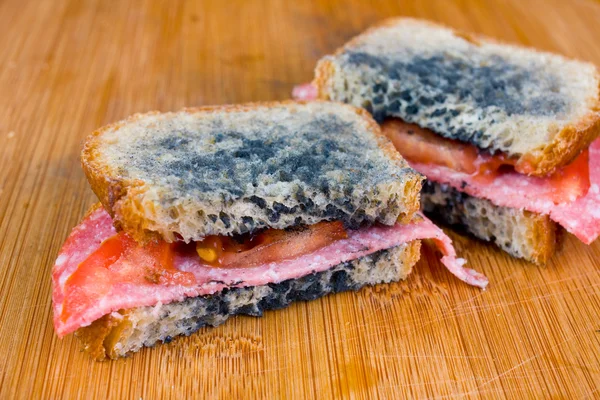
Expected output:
(544, 233)
(103, 180)
(566, 145)
(121, 197)
(324, 71)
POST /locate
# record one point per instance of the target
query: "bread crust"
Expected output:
(120, 197)
(566, 145)
(544, 233)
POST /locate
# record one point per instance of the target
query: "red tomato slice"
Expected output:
(271, 245)
(572, 181)
(423, 146)
(92, 278)
(119, 260)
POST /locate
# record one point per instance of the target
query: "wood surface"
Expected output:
(69, 66)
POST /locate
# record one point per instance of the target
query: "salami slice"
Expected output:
(580, 217)
(120, 286)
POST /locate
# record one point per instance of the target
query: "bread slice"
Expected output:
(540, 108)
(120, 333)
(520, 233)
(228, 170)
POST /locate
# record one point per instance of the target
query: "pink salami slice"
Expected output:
(97, 227)
(581, 217)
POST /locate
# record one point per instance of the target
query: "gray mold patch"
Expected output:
(276, 155)
(325, 157)
(435, 90)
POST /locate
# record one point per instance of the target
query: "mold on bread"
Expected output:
(520, 233)
(428, 88)
(120, 333)
(540, 108)
(236, 169)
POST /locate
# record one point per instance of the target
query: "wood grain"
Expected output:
(69, 66)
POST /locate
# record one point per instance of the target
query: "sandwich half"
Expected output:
(216, 211)
(504, 134)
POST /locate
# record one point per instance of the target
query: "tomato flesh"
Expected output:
(420, 145)
(573, 180)
(100, 271)
(269, 246)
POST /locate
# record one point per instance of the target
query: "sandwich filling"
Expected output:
(99, 270)
(421, 146)
(570, 195)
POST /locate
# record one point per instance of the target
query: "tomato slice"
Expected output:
(120, 260)
(571, 181)
(269, 246)
(92, 278)
(420, 145)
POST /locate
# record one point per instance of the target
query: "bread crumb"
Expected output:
(11, 134)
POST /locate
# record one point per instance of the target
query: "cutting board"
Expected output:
(68, 67)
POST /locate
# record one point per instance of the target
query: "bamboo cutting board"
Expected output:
(68, 67)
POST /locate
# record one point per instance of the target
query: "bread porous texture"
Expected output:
(540, 108)
(236, 169)
(120, 333)
(520, 233)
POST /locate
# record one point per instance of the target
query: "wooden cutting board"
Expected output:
(69, 66)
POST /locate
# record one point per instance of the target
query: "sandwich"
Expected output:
(505, 135)
(216, 211)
